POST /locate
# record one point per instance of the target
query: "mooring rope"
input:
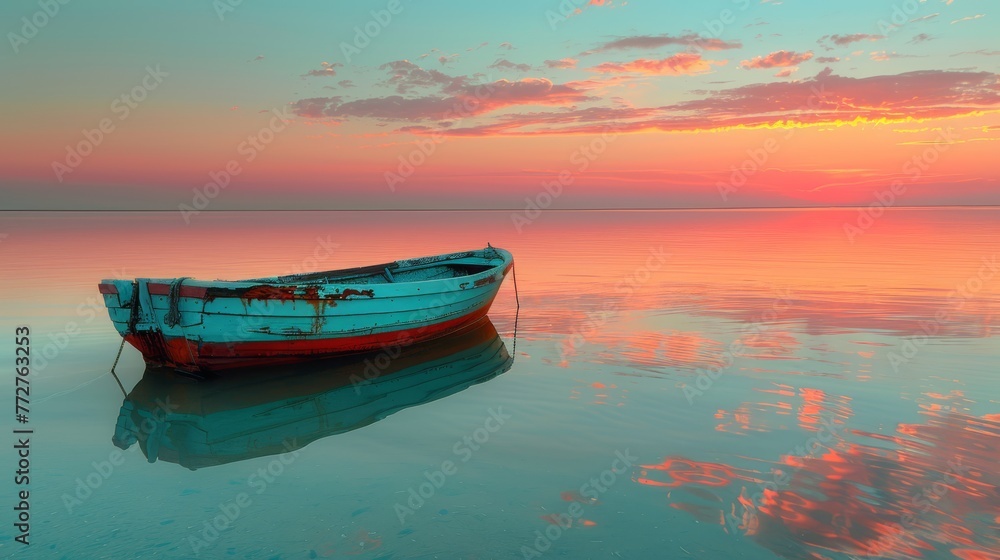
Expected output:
(173, 316)
(517, 309)
(133, 315)
(133, 320)
(114, 365)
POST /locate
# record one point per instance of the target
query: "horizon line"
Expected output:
(624, 209)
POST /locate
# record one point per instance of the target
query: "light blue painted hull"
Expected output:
(199, 325)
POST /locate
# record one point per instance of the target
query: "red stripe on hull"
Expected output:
(196, 292)
(186, 355)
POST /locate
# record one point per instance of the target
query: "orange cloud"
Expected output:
(826, 99)
(678, 65)
(561, 63)
(776, 59)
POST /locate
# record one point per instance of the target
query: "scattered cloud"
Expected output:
(925, 18)
(677, 65)
(563, 63)
(777, 59)
(649, 42)
(326, 70)
(922, 37)
(981, 52)
(468, 100)
(504, 64)
(844, 40)
(969, 18)
(882, 56)
(406, 76)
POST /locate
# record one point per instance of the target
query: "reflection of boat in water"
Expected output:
(268, 411)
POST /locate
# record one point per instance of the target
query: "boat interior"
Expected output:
(392, 273)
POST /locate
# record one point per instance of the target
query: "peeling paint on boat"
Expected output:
(222, 324)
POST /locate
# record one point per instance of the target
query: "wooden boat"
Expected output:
(198, 326)
(273, 410)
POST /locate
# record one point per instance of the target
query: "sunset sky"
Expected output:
(319, 105)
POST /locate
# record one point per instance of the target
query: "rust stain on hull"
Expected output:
(485, 281)
(351, 292)
(269, 292)
(308, 294)
(287, 293)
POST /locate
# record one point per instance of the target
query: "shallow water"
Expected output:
(764, 384)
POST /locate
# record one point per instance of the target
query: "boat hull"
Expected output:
(207, 326)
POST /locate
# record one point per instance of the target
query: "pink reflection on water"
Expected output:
(810, 408)
(931, 486)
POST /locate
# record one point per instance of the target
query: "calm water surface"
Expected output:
(684, 385)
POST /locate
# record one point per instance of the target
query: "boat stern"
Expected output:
(118, 299)
(130, 307)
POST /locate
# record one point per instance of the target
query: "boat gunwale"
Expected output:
(505, 257)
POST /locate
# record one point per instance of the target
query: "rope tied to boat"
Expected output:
(133, 315)
(173, 316)
(517, 309)
(114, 365)
(133, 320)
